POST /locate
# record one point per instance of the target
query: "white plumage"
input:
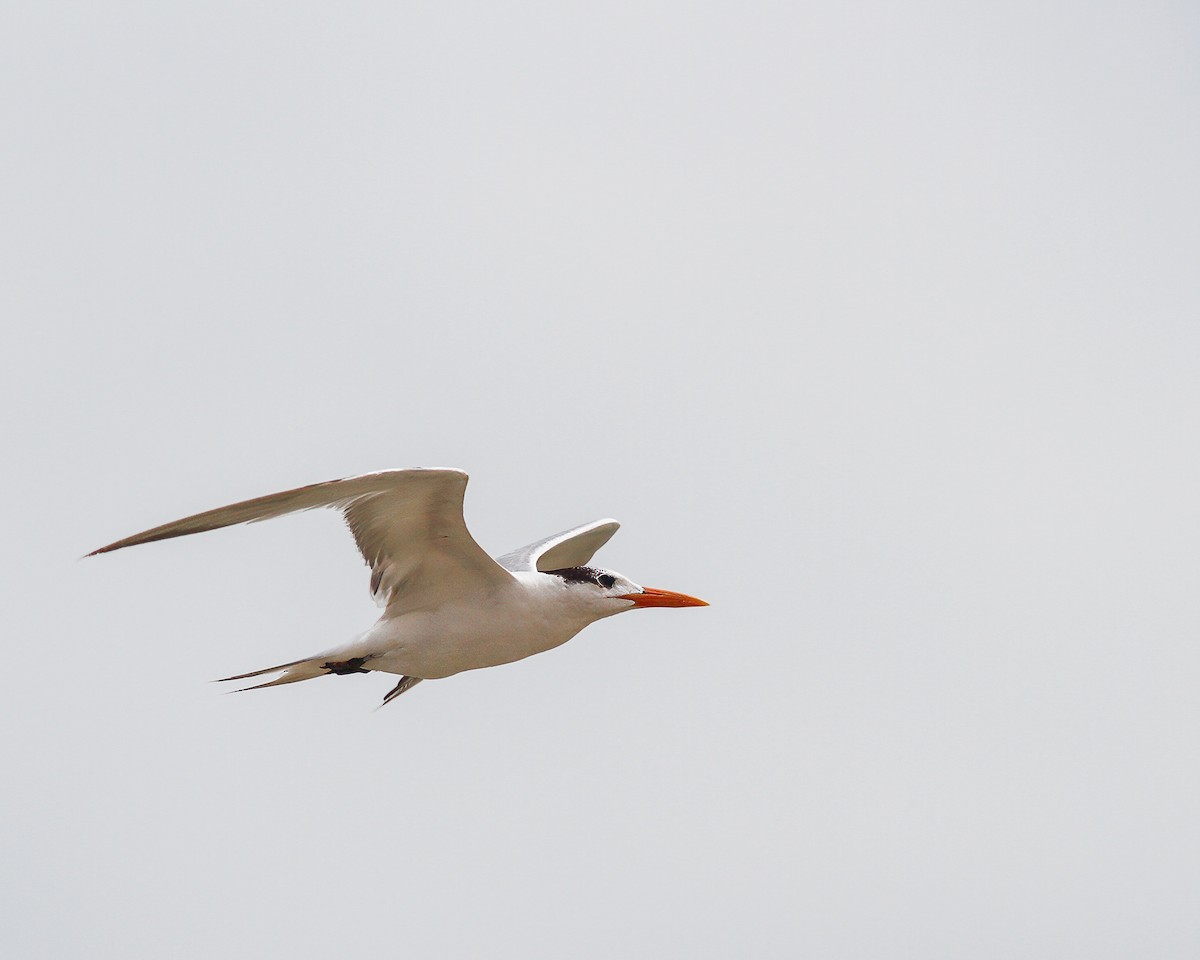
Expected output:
(447, 605)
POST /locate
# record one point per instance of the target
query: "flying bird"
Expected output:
(447, 605)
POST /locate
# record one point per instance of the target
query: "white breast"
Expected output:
(531, 615)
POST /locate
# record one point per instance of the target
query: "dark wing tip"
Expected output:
(405, 684)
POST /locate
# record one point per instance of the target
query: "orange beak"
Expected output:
(662, 598)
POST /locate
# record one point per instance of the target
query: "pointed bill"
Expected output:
(649, 597)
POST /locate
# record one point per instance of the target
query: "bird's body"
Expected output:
(511, 622)
(448, 607)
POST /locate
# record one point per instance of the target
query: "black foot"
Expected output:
(342, 667)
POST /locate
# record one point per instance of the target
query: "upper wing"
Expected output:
(408, 525)
(571, 548)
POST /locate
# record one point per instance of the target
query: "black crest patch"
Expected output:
(582, 575)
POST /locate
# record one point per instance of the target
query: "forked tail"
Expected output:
(322, 666)
(293, 672)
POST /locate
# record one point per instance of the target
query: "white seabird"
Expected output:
(447, 605)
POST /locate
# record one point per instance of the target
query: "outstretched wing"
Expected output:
(408, 525)
(571, 548)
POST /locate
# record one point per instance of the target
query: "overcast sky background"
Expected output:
(875, 324)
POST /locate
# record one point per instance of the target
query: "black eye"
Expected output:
(606, 581)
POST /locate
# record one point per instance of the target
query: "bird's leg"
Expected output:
(342, 667)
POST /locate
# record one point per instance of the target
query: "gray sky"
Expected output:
(875, 325)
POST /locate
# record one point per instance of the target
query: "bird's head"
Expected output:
(606, 592)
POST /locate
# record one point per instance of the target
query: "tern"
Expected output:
(447, 605)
